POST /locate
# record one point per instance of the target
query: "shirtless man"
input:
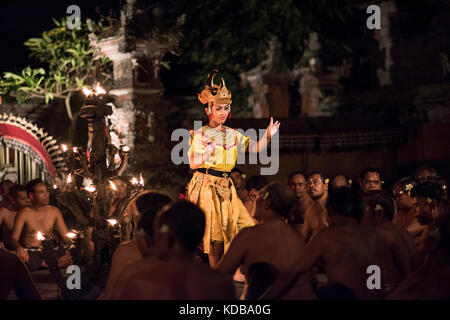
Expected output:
(5, 185)
(346, 249)
(432, 280)
(254, 184)
(172, 273)
(316, 217)
(430, 207)
(406, 205)
(297, 182)
(19, 200)
(147, 205)
(370, 180)
(237, 176)
(39, 217)
(340, 180)
(378, 212)
(272, 241)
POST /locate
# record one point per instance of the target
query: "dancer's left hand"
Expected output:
(272, 128)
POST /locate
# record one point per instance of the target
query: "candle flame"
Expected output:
(134, 181)
(40, 236)
(90, 188)
(112, 185)
(75, 149)
(99, 89)
(71, 235)
(141, 180)
(55, 186)
(64, 147)
(126, 148)
(69, 178)
(87, 92)
(112, 221)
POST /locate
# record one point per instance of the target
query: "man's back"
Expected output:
(6, 224)
(348, 251)
(177, 280)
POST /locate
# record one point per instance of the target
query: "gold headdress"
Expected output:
(213, 93)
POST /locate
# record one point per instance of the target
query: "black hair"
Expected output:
(317, 172)
(5, 181)
(346, 202)
(335, 291)
(382, 198)
(256, 182)
(403, 182)
(32, 184)
(236, 169)
(432, 170)
(282, 198)
(14, 191)
(148, 206)
(428, 189)
(295, 173)
(186, 221)
(362, 176)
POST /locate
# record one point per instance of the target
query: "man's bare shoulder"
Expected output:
(4, 212)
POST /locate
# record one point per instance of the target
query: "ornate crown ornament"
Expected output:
(214, 94)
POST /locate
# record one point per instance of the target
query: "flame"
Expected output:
(69, 178)
(75, 149)
(99, 89)
(71, 235)
(126, 148)
(87, 92)
(112, 221)
(134, 181)
(141, 180)
(90, 188)
(40, 236)
(64, 147)
(55, 186)
(112, 185)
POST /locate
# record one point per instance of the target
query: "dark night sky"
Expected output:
(20, 21)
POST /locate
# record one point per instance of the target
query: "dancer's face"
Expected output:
(219, 113)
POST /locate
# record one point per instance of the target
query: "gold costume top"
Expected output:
(228, 143)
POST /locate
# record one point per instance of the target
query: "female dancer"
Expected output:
(212, 155)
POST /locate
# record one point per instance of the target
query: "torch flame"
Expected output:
(55, 186)
(90, 188)
(71, 235)
(126, 148)
(112, 185)
(75, 149)
(99, 89)
(141, 180)
(112, 221)
(134, 181)
(87, 92)
(69, 178)
(40, 236)
(64, 147)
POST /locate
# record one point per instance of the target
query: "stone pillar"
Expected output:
(138, 118)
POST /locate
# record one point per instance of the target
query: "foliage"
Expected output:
(68, 65)
(235, 35)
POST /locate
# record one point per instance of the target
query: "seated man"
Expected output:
(14, 275)
(5, 186)
(432, 280)
(379, 212)
(272, 241)
(147, 205)
(40, 217)
(172, 273)
(346, 250)
(254, 184)
(19, 200)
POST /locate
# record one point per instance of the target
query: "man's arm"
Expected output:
(61, 225)
(19, 222)
(309, 257)
(234, 256)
